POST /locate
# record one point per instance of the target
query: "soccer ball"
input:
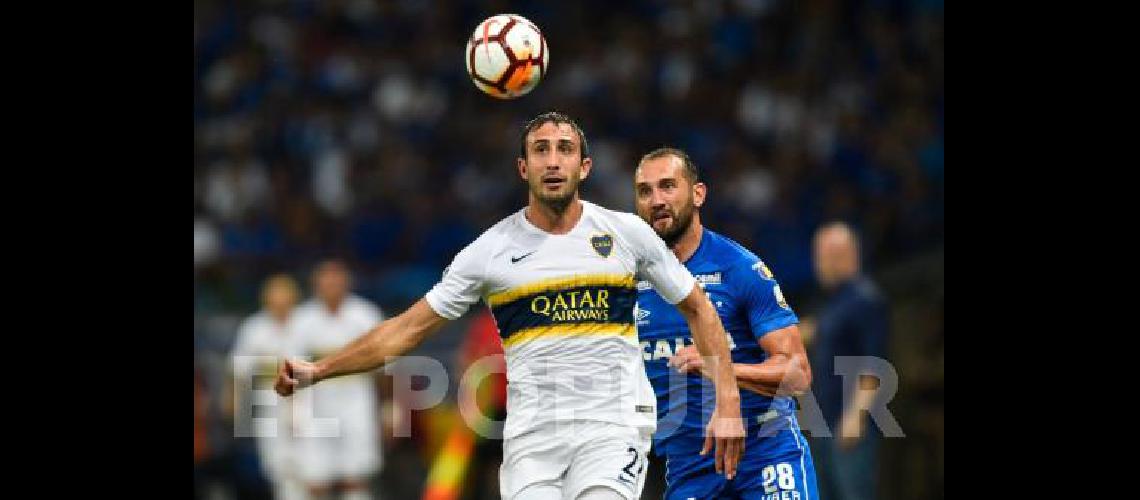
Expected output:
(506, 56)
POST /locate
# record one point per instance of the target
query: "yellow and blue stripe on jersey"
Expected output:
(574, 306)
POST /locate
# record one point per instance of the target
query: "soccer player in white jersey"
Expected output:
(262, 340)
(560, 278)
(345, 458)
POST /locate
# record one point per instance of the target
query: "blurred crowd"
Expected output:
(350, 128)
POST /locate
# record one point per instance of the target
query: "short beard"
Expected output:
(671, 236)
(557, 204)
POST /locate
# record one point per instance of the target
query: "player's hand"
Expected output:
(688, 360)
(294, 374)
(726, 428)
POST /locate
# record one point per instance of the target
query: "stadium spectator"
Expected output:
(853, 322)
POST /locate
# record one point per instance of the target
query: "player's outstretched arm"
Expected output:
(726, 426)
(786, 372)
(392, 337)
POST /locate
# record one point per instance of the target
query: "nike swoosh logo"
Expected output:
(516, 259)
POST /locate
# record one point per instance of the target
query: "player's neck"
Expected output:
(688, 243)
(333, 305)
(280, 318)
(552, 221)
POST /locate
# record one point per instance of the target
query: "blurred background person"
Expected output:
(262, 340)
(341, 465)
(854, 321)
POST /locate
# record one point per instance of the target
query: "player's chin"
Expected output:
(560, 196)
(663, 227)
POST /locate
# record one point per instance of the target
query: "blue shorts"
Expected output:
(776, 465)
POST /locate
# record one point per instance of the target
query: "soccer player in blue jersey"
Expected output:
(767, 353)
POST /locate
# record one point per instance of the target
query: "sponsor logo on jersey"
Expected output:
(583, 305)
(579, 305)
(642, 314)
(603, 244)
(516, 259)
(643, 286)
(657, 349)
(708, 279)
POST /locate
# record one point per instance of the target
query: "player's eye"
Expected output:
(566, 148)
(643, 191)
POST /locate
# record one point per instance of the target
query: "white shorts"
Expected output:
(575, 455)
(353, 453)
(278, 455)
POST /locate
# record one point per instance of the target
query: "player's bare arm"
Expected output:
(393, 337)
(786, 371)
(726, 427)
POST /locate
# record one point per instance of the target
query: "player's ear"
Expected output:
(587, 162)
(522, 168)
(700, 190)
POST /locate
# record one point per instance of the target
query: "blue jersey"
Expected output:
(750, 304)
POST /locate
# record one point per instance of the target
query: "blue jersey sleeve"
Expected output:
(760, 293)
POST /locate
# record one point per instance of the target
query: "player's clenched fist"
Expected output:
(294, 374)
(688, 360)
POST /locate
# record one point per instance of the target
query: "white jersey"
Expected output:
(261, 343)
(563, 305)
(322, 333)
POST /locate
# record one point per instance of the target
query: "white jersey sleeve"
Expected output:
(462, 283)
(657, 264)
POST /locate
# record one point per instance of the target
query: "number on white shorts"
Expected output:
(635, 461)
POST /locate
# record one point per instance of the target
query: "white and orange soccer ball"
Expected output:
(506, 56)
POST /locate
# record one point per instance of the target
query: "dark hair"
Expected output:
(555, 118)
(691, 171)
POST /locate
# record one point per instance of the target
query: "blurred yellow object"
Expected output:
(455, 455)
(450, 465)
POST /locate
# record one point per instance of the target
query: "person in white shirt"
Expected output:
(560, 279)
(345, 458)
(262, 340)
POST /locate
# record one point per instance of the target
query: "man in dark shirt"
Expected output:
(851, 327)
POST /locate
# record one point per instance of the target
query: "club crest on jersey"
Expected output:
(603, 244)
